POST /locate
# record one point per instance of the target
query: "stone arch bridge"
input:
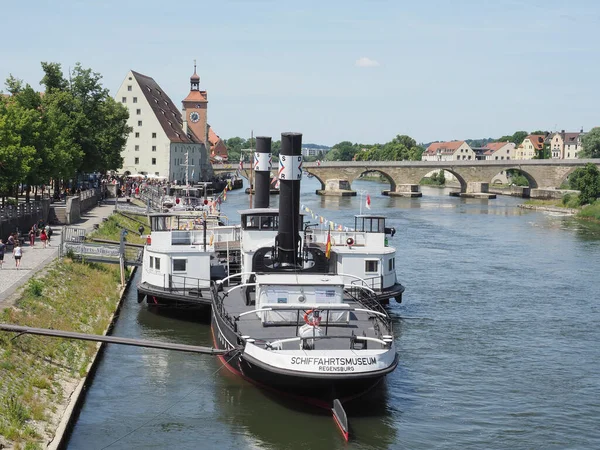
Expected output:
(404, 176)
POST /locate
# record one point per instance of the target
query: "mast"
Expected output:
(251, 167)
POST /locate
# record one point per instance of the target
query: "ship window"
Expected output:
(371, 266)
(391, 265)
(152, 262)
(157, 263)
(179, 265)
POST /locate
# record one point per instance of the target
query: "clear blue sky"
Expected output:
(334, 70)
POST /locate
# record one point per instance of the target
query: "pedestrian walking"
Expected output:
(32, 236)
(48, 233)
(2, 248)
(18, 253)
(43, 238)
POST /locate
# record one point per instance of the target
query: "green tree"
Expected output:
(590, 144)
(587, 181)
(342, 151)
(18, 126)
(518, 137)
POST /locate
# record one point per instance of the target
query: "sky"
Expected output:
(362, 71)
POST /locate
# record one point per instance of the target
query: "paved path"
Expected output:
(36, 259)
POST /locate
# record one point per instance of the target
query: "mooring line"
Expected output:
(167, 409)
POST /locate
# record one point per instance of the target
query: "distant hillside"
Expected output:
(316, 146)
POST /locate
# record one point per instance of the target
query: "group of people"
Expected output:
(14, 242)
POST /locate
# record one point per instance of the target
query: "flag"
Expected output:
(328, 246)
(368, 204)
(225, 193)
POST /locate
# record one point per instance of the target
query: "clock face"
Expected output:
(194, 116)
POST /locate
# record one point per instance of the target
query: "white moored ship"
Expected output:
(293, 324)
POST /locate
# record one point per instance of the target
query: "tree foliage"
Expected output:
(517, 137)
(587, 181)
(74, 127)
(590, 144)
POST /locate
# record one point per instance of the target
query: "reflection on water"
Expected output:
(497, 334)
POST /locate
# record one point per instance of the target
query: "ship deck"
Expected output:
(335, 335)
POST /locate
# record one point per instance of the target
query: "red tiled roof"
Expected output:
(537, 140)
(164, 109)
(196, 96)
(444, 147)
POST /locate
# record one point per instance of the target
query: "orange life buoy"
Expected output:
(311, 319)
(350, 241)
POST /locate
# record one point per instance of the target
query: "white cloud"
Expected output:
(366, 62)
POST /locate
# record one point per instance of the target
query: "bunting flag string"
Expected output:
(330, 225)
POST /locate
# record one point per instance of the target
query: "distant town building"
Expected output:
(498, 151)
(530, 147)
(315, 151)
(448, 151)
(165, 141)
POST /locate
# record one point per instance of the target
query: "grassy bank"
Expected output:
(591, 212)
(111, 229)
(588, 212)
(38, 374)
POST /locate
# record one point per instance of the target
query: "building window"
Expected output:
(137, 135)
(124, 100)
(137, 148)
(154, 148)
(137, 161)
(138, 111)
(157, 174)
(139, 123)
(179, 265)
(154, 135)
(371, 266)
(134, 99)
(153, 161)
(129, 88)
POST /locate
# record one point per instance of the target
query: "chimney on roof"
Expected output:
(563, 131)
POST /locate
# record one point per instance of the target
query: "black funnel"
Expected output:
(262, 172)
(290, 174)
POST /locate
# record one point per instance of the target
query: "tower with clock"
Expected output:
(195, 107)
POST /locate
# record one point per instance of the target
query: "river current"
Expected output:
(498, 338)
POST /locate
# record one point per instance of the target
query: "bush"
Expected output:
(587, 181)
(35, 287)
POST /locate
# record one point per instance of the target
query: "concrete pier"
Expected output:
(405, 190)
(337, 188)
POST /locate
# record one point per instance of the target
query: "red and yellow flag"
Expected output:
(328, 246)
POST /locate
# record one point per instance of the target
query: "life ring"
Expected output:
(350, 241)
(310, 318)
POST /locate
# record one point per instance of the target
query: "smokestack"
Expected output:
(290, 174)
(262, 171)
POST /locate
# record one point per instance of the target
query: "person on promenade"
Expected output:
(48, 232)
(18, 253)
(2, 248)
(32, 236)
(43, 238)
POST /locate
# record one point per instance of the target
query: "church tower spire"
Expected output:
(195, 80)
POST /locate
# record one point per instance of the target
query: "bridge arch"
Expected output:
(316, 175)
(385, 175)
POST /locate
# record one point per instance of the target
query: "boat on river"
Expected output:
(185, 253)
(293, 324)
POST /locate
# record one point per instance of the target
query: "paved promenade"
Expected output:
(36, 259)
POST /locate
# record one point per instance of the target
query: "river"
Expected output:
(498, 336)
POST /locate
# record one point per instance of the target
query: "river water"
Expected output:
(498, 336)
